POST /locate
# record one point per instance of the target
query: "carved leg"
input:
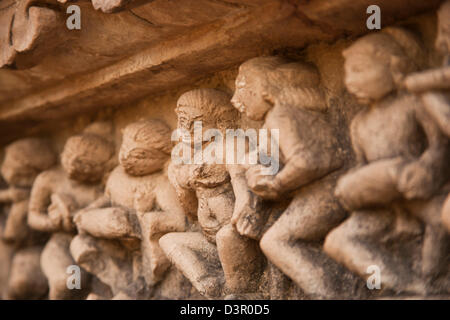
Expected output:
(279, 283)
(6, 255)
(293, 243)
(241, 259)
(26, 280)
(434, 251)
(107, 223)
(436, 240)
(153, 226)
(16, 228)
(372, 184)
(197, 259)
(446, 214)
(106, 259)
(363, 240)
(55, 259)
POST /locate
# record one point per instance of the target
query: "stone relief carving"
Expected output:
(57, 195)
(401, 163)
(289, 96)
(433, 86)
(150, 228)
(139, 206)
(24, 160)
(216, 259)
(111, 6)
(29, 24)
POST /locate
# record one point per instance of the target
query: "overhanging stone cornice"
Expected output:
(147, 48)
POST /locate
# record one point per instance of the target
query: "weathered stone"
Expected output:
(354, 180)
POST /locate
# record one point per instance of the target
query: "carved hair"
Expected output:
(141, 141)
(399, 49)
(87, 156)
(214, 104)
(296, 83)
(148, 134)
(32, 155)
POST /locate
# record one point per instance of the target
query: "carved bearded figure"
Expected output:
(24, 160)
(119, 233)
(216, 260)
(289, 97)
(402, 161)
(56, 196)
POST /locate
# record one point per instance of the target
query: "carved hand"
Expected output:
(263, 185)
(416, 181)
(18, 194)
(247, 216)
(60, 211)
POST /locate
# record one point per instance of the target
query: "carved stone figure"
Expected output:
(139, 206)
(289, 97)
(57, 195)
(433, 86)
(24, 160)
(216, 260)
(402, 161)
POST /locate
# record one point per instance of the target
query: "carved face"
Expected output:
(85, 158)
(24, 159)
(187, 116)
(17, 174)
(141, 161)
(368, 78)
(443, 35)
(249, 98)
(145, 147)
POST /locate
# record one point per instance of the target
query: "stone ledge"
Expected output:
(102, 66)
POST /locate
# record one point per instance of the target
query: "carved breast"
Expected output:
(127, 191)
(389, 130)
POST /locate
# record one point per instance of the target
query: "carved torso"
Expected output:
(128, 191)
(212, 186)
(376, 130)
(56, 182)
(305, 135)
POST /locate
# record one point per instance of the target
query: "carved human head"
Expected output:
(87, 157)
(25, 159)
(443, 36)
(210, 106)
(146, 147)
(376, 63)
(263, 81)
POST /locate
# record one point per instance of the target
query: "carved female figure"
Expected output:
(57, 194)
(218, 254)
(139, 204)
(401, 154)
(24, 160)
(433, 86)
(288, 97)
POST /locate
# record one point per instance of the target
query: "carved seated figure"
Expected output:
(433, 87)
(401, 162)
(57, 194)
(24, 160)
(289, 97)
(216, 260)
(139, 205)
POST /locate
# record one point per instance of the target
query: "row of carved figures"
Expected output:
(230, 230)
